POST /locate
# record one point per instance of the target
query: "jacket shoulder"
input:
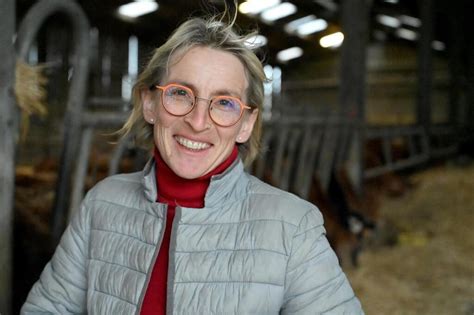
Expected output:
(282, 204)
(115, 186)
(123, 191)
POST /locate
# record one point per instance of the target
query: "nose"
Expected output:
(199, 118)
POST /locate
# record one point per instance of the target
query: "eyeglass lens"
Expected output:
(224, 110)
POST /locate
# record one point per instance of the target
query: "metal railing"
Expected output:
(27, 32)
(294, 150)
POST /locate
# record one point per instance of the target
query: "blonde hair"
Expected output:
(210, 32)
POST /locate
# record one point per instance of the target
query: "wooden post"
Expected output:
(455, 60)
(352, 90)
(461, 65)
(425, 65)
(469, 38)
(8, 133)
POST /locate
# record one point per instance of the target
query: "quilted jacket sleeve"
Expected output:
(62, 286)
(315, 283)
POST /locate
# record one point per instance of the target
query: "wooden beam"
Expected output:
(8, 133)
(469, 38)
(455, 61)
(425, 64)
(352, 90)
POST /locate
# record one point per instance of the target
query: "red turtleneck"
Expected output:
(174, 190)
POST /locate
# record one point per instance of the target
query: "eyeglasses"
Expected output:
(179, 100)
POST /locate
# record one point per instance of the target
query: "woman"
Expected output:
(193, 233)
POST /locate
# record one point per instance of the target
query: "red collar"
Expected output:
(175, 190)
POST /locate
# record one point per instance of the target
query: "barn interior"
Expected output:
(368, 113)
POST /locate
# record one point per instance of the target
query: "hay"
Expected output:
(30, 93)
(431, 268)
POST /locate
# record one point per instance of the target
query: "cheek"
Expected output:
(162, 129)
(229, 135)
(163, 140)
(165, 120)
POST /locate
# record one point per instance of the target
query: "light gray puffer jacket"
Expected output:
(253, 249)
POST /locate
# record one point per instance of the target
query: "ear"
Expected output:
(247, 127)
(148, 105)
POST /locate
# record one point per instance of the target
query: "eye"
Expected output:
(176, 91)
(226, 104)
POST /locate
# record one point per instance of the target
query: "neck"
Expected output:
(175, 190)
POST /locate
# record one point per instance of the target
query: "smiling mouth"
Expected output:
(192, 145)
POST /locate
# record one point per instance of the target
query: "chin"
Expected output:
(189, 174)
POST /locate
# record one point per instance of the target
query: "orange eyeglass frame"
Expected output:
(209, 101)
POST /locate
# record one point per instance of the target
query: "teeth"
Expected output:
(193, 145)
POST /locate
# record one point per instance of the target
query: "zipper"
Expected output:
(171, 262)
(153, 261)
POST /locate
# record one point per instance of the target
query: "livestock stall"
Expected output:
(344, 142)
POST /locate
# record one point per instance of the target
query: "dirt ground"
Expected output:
(430, 270)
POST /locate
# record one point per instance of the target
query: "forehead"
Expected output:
(208, 69)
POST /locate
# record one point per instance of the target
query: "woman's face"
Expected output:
(193, 145)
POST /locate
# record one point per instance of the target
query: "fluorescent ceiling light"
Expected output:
(256, 41)
(406, 34)
(437, 45)
(312, 27)
(293, 25)
(391, 1)
(268, 72)
(332, 40)
(257, 6)
(388, 20)
(276, 80)
(133, 56)
(290, 53)
(137, 8)
(278, 12)
(410, 20)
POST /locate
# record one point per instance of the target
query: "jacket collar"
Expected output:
(222, 187)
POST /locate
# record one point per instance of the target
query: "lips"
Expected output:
(192, 145)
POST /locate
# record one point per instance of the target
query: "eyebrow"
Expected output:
(215, 93)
